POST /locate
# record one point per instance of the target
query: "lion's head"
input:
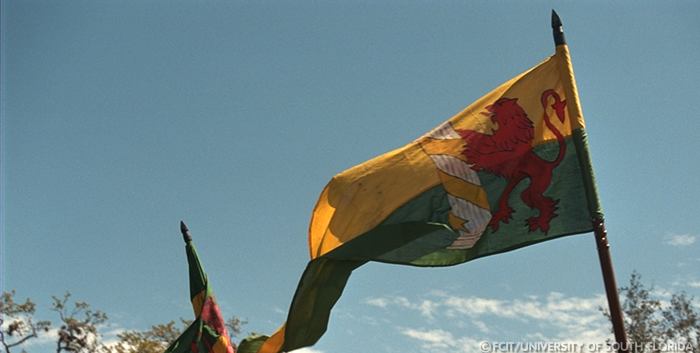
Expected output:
(506, 111)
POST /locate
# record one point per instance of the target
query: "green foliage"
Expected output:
(21, 325)
(234, 325)
(158, 337)
(642, 312)
(682, 322)
(153, 340)
(79, 323)
(79, 328)
(652, 323)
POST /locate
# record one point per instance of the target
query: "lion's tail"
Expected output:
(558, 107)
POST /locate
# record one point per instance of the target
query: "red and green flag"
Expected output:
(508, 171)
(207, 333)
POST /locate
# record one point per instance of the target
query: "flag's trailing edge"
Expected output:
(509, 171)
(207, 333)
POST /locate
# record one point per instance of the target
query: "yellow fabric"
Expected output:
(455, 222)
(573, 103)
(221, 345)
(367, 194)
(464, 190)
(360, 198)
(527, 88)
(371, 191)
(274, 343)
(450, 147)
(198, 302)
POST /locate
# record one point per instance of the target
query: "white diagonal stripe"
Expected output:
(443, 132)
(477, 220)
(456, 167)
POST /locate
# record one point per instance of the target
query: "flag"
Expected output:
(504, 173)
(207, 333)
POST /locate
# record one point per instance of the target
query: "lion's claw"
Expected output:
(502, 215)
(538, 222)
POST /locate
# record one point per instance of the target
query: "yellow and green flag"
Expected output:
(207, 333)
(504, 173)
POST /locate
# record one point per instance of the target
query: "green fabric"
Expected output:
(573, 216)
(198, 279)
(198, 334)
(581, 143)
(252, 343)
(418, 233)
(183, 344)
(320, 287)
(324, 279)
(208, 326)
(401, 239)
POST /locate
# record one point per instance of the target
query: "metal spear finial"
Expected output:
(557, 29)
(185, 232)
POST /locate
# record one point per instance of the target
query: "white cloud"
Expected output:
(426, 308)
(693, 284)
(379, 302)
(306, 350)
(662, 294)
(474, 306)
(435, 338)
(680, 239)
(46, 340)
(109, 336)
(568, 317)
(402, 301)
(554, 317)
(481, 326)
(438, 340)
(43, 338)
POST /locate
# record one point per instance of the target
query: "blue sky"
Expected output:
(119, 119)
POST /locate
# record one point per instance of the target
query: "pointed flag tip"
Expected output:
(185, 232)
(556, 21)
(557, 29)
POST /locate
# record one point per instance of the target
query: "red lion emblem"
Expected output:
(508, 153)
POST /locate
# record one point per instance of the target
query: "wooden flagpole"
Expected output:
(598, 223)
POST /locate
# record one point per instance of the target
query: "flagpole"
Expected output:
(597, 216)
